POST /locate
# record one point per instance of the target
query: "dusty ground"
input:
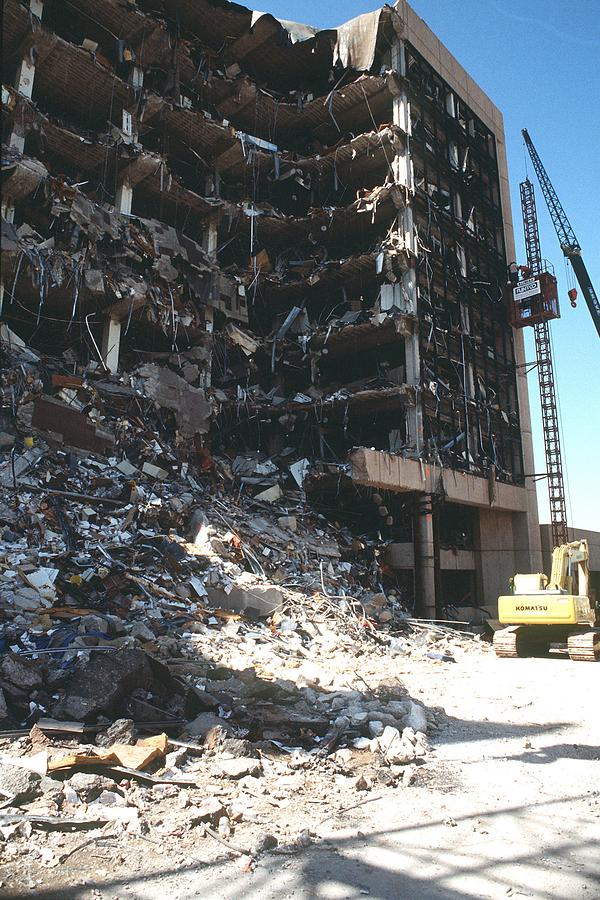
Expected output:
(508, 805)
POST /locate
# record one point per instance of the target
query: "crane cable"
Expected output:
(525, 156)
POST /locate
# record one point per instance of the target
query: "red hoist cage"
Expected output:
(533, 300)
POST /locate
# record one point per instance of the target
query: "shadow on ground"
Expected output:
(331, 868)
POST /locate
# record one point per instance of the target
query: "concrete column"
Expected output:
(24, 80)
(124, 195)
(25, 77)
(210, 238)
(498, 554)
(8, 213)
(403, 174)
(136, 77)
(124, 198)
(111, 340)
(425, 557)
(26, 70)
(8, 210)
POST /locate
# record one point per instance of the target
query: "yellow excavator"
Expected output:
(541, 613)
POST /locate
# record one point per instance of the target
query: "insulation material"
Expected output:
(357, 40)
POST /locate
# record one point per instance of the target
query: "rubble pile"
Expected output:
(185, 643)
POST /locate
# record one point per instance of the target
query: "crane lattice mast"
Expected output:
(543, 349)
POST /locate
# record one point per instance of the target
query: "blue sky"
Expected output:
(540, 64)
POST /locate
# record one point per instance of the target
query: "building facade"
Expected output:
(311, 230)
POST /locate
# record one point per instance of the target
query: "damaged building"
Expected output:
(295, 242)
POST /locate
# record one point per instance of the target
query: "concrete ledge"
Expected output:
(399, 556)
(394, 473)
(457, 560)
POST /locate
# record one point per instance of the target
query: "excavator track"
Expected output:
(510, 643)
(506, 643)
(521, 640)
(585, 646)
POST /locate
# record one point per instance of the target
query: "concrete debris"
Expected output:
(71, 427)
(17, 784)
(170, 391)
(202, 607)
(122, 731)
(106, 680)
(183, 655)
(239, 767)
(89, 787)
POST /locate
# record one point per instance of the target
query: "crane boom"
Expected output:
(570, 246)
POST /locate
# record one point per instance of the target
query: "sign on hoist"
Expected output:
(528, 288)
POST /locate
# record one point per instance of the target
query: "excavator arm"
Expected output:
(563, 560)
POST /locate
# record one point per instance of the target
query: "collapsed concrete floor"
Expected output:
(185, 640)
(295, 238)
(260, 417)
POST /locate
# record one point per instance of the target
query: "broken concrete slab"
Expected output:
(19, 675)
(72, 427)
(189, 404)
(395, 748)
(239, 767)
(18, 784)
(203, 723)
(100, 685)
(270, 495)
(14, 468)
(247, 596)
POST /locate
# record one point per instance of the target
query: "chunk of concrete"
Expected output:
(208, 810)
(168, 390)
(18, 784)
(122, 731)
(19, 675)
(202, 724)
(239, 767)
(107, 680)
(247, 596)
(396, 750)
(288, 522)
(88, 787)
(416, 718)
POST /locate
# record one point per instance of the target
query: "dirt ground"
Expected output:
(508, 805)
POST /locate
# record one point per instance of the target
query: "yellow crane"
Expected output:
(541, 612)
